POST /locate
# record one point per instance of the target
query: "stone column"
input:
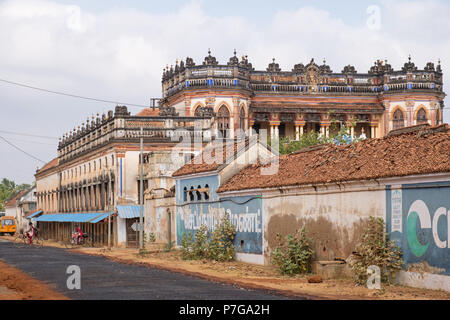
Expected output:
(373, 130)
(350, 124)
(274, 122)
(299, 125)
(103, 196)
(251, 122)
(325, 123)
(86, 196)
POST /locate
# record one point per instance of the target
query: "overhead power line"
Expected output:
(28, 134)
(72, 95)
(21, 150)
(34, 142)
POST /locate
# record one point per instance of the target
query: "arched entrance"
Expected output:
(223, 121)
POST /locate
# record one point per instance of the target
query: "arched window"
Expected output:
(185, 194)
(421, 116)
(191, 194)
(223, 120)
(197, 111)
(242, 119)
(112, 160)
(206, 193)
(398, 121)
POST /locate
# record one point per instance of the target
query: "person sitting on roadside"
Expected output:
(30, 233)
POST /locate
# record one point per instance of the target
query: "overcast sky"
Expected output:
(116, 50)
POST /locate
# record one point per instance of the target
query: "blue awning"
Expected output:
(101, 217)
(92, 217)
(34, 214)
(128, 212)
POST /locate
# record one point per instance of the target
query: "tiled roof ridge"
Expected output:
(51, 164)
(425, 149)
(420, 127)
(16, 197)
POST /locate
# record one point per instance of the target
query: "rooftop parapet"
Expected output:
(381, 77)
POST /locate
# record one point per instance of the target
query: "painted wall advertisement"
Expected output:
(418, 220)
(245, 213)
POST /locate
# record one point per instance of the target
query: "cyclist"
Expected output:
(31, 233)
(77, 236)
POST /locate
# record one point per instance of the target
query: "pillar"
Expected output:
(372, 131)
(297, 133)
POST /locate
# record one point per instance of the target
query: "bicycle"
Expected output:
(73, 243)
(21, 240)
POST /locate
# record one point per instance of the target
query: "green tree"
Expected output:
(8, 189)
(286, 145)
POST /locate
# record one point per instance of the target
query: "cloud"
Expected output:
(119, 54)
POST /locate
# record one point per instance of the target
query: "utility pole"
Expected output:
(141, 187)
(109, 210)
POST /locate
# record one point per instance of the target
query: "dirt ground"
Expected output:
(265, 277)
(257, 276)
(16, 285)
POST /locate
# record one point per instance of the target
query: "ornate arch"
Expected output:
(398, 116)
(196, 106)
(223, 103)
(223, 120)
(426, 113)
(397, 108)
(242, 117)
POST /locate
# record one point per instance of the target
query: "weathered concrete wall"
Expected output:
(157, 218)
(48, 183)
(333, 216)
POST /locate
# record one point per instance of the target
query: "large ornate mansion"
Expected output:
(98, 166)
(308, 98)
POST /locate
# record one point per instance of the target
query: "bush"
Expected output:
(221, 247)
(293, 254)
(200, 245)
(186, 247)
(376, 249)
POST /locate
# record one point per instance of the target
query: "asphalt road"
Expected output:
(102, 279)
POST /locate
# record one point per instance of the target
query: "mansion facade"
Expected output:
(308, 98)
(96, 174)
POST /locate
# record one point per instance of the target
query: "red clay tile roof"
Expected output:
(206, 161)
(418, 150)
(12, 202)
(49, 165)
(148, 112)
